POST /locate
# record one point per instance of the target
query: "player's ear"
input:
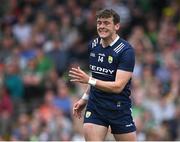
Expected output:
(117, 26)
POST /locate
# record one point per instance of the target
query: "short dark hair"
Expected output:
(108, 13)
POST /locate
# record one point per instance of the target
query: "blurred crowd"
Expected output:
(40, 40)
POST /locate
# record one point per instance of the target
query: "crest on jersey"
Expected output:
(110, 59)
(88, 114)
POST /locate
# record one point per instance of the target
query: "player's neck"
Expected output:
(109, 41)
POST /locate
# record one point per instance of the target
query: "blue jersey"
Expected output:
(103, 64)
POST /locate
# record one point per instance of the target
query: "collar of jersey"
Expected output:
(116, 39)
(112, 43)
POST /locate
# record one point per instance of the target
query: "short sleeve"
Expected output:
(93, 43)
(127, 60)
(89, 46)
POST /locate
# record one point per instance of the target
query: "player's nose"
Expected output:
(101, 26)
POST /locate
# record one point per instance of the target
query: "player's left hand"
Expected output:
(78, 75)
(78, 107)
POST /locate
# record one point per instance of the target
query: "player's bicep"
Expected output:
(125, 68)
(127, 60)
(122, 77)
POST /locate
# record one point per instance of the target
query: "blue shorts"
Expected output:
(120, 122)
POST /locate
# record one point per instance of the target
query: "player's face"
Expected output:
(106, 27)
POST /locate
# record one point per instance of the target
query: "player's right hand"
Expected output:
(78, 107)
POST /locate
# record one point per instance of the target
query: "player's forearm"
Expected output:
(87, 90)
(86, 94)
(109, 86)
(112, 86)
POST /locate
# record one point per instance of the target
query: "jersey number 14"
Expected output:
(100, 58)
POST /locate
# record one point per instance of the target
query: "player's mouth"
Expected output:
(102, 31)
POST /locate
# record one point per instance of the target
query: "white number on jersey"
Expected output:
(100, 59)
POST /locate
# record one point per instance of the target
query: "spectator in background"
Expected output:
(56, 125)
(58, 56)
(50, 81)
(21, 128)
(32, 80)
(52, 31)
(26, 52)
(6, 113)
(152, 31)
(70, 34)
(22, 30)
(5, 102)
(47, 108)
(62, 100)
(44, 64)
(38, 37)
(122, 10)
(14, 83)
(7, 45)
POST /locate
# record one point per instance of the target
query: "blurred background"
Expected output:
(41, 39)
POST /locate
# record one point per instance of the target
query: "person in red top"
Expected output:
(6, 105)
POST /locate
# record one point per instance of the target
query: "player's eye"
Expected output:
(106, 23)
(99, 22)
